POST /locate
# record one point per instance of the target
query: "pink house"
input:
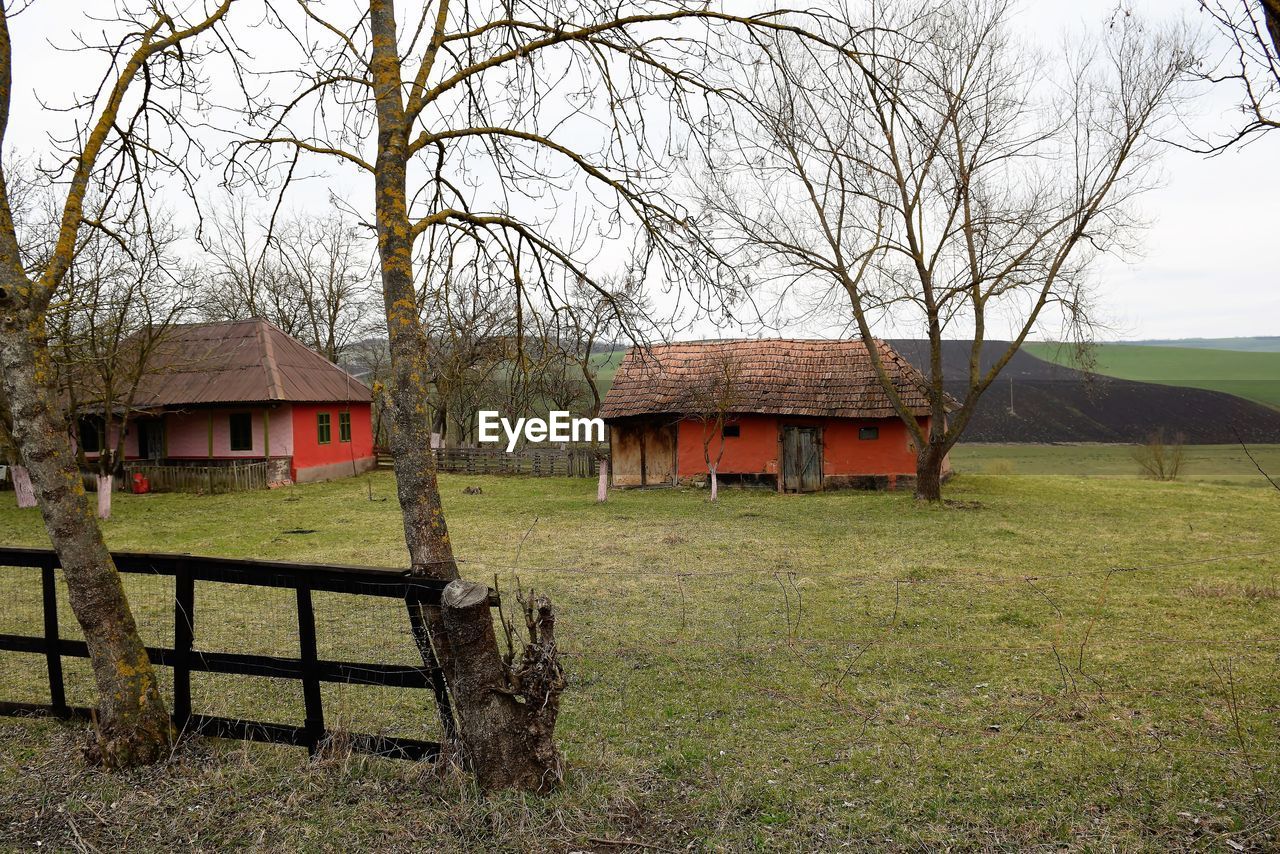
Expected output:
(245, 390)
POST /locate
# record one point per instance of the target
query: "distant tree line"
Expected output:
(314, 276)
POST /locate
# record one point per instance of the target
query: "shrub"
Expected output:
(1161, 459)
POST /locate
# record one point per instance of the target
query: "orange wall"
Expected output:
(755, 451)
(844, 453)
(308, 452)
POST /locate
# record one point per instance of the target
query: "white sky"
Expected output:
(1209, 262)
(1208, 265)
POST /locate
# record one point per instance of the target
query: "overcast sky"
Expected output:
(1209, 261)
(1208, 267)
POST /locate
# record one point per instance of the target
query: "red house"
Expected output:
(799, 416)
(246, 391)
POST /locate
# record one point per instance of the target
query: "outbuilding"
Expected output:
(245, 391)
(795, 415)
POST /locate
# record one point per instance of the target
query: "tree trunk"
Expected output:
(929, 471)
(105, 484)
(602, 487)
(22, 489)
(509, 744)
(493, 730)
(715, 485)
(133, 724)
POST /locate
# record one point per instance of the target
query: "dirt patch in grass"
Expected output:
(1253, 591)
(961, 504)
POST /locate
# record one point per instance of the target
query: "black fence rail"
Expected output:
(185, 658)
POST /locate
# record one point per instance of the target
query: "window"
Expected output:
(90, 434)
(344, 426)
(322, 428)
(732, 431)
(868, 432)
(241, 431)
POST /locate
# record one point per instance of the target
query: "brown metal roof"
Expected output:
(833, 379)
(241, 361)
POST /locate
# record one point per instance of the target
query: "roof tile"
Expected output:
(241, 361)
(772, 377)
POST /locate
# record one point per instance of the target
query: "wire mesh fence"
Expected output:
(239, 651)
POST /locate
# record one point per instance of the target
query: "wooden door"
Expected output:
(801, 458)
(659, 454)
(150, 439)
(627, 460)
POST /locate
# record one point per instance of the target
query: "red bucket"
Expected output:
(141, 485)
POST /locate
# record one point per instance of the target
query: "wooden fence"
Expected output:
(539, 462)
(185, 658)
(231, 477)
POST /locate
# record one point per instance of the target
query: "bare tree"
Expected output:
(469, 321)
(940, 178)
(711, 402)
(1251, 63)
(471, 120)
(245, 279)
(151, 58)
(111, 317)
(310, 275)
(1160, 458)
(594, 319)
(368, 360)
(328, 265)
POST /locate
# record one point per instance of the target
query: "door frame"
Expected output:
(818, 428)
(145, 428)
(657, 426)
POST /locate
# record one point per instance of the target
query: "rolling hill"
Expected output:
(1254, 374)
(1254, 344)
(1035, 400)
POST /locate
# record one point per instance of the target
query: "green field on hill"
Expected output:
(1255, 344)
(1212, 463)
(606, 365)
(1045, 663)
(1251, 375)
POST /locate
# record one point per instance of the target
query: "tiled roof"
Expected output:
(241, 361)
(833, 379)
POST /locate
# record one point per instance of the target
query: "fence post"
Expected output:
(314, 722)
(52, 651)
(184, 619)
(422, 638)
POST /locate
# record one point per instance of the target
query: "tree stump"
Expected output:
(507, 741)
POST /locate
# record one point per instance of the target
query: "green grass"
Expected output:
(1255, 344)
(1212, 463)
(606, 365)
(770, 672)
(1251, 375)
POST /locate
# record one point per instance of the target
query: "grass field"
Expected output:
(1227, 464)
(1254, 344)
(1252, 375)
(606, 365)
(1048, 661)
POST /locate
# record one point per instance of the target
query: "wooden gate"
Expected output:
(801, 458)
